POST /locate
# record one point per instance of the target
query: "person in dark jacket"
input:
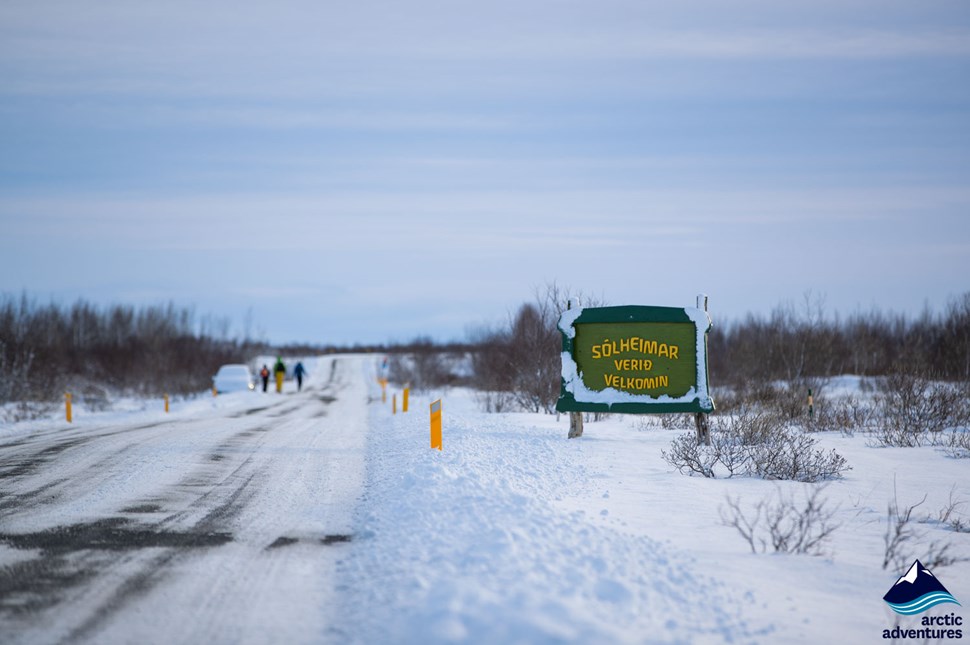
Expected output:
(264, 374)
(298, 372)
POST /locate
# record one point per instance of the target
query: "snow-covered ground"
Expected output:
(514, 534)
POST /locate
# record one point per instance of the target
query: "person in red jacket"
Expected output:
(264, 374)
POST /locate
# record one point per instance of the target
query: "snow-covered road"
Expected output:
(218, 524)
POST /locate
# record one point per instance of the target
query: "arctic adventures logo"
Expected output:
(915, 592)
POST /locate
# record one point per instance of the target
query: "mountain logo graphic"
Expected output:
(917, 591)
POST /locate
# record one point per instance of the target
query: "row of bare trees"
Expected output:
(43, 349)
(518, 363)
(796, 344)
(47, 349)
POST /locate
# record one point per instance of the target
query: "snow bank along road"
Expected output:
(218, 523)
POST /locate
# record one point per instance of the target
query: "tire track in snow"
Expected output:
(203, 501)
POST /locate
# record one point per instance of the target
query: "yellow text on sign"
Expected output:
(436, 424)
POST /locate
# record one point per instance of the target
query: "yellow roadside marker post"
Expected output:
(436, 424)
(404, 400)
(67, 407)
(166, 403)
(394, 404)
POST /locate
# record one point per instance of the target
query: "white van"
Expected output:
(233, 378)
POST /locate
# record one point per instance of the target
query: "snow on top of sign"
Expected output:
(567, 319)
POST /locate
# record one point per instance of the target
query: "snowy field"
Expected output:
(514, 534)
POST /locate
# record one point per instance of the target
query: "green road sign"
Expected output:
(634, 359)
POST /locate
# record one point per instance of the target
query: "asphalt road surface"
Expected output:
(224, 525)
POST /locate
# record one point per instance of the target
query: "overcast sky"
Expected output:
(371, 171)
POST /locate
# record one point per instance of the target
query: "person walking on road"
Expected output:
(264, 374)
(298, 372)
(279, 370)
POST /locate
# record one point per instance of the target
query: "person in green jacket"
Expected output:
(279, 370)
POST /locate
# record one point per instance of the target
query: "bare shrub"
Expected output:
(24, 410)
(646, 422)
(758, 443)
(901, 533)
(949, 517)
(783, 524)
(792, 455)
(677, 421)
(689, 458)
(491, 401)
(915, 409)
(956, 444)
(845, 414)
(749, 426)
(731, 452)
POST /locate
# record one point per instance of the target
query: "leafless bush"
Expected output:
(916, 409)
(421, 364)
(677, 421)
(758, 443)
(900, 533)
(845, 414)
(647, 422)
(956, 444)
(784, 525)
(690, 458)
(24, 410)
(793, 455)
(949, 517)
(490, 401)
(749, 426)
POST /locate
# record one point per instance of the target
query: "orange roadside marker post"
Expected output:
(67, 407)
(436, 424)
